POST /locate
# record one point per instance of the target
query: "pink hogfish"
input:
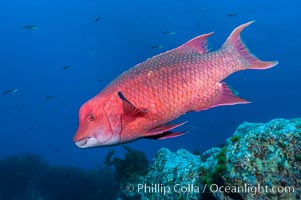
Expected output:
(142, 101)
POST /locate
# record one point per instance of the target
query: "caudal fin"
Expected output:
(252, 62)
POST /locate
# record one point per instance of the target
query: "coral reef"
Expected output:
(260, 161)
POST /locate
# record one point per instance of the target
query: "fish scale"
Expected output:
(142, 101)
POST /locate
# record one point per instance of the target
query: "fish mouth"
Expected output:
(81, 143)
(96, 140)
(88, 142)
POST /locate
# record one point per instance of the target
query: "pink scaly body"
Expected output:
(141, 101)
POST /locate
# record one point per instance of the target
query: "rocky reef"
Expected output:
(29, 177)
(168, 170)
(267, 155)
(130, 169)
(260, 161)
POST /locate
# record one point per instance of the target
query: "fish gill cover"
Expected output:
(55, 55)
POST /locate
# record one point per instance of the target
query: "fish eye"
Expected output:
(91, 117)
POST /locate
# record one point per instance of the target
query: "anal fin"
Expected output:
(163, 131)
(165, 135)
(225, 96)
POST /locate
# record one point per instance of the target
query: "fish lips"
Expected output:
(97, 139)
(87, 142)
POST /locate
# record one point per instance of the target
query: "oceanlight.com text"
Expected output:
(213, 188)
(247, 188)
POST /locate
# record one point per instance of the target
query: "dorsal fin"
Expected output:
(130, 109)
(198, 44)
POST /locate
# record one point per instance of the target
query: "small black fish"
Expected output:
(99, 79)
(231, 14)
(66, 67)
(158, 46)
(30, 27)
(97, 19)
(48, 98)
(10, 91)
(168, 32)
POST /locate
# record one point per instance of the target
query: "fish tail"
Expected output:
(234, 41)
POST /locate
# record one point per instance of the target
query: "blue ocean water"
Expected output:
(80, 46)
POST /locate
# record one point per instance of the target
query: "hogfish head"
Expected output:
(97, 126)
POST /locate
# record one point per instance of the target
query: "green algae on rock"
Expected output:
(174, 170)
(266, 156)
(262, 154)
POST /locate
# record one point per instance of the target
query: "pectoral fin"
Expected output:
(130, 109)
